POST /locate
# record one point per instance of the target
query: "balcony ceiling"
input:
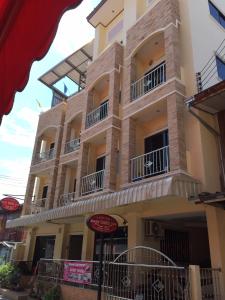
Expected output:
(105, 12)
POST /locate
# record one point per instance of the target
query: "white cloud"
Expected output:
(74, 31)
(16, 175)
(20, 129)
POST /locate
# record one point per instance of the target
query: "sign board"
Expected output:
(78, 272)
(102, 223)
(9, 204)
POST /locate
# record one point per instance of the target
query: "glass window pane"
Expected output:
(220, 68)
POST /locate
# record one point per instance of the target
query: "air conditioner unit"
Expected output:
(153, 229)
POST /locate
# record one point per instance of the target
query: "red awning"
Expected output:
(27, 29)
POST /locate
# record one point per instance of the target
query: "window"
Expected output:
(214, 11)
(220, 67)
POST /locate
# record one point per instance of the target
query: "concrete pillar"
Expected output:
(114, 92)
(195, 283)
(127, 148)
(177, 145)
(59, 188)
(82, 166)
(59, 242)
(111, 164)
(58, 141)
(172, 52)
(216, 229)
(29, 195)
(37, 149)
(88, 243)
(129, 75)
(51, 187)
(135, 230)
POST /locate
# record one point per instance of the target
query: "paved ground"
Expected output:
(2, 298)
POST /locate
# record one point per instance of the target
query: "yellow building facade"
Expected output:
(126, 144)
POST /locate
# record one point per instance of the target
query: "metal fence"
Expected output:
(97, 115)
(38, 205)
(72, 145)
(43, 156)
(146, 282)
(210, 74)
(148, 82)
(150, 164)
(67, 199)
(92, 183)
(210, 284)
(54, 270)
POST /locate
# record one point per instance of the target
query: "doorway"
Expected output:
(75, 247)
(44, 248)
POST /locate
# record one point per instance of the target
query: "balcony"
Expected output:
(44, 156)
(150, 164)
(72, 145)
(38, 206)
(92, 183)
(67, 199)
(97, 115)
(148, 82)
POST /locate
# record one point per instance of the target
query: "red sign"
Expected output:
(102, 223)
(9, 204)
(78, 272)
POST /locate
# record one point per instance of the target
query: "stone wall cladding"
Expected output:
(72, 156)
(152, 96)
(75, 105)
(37, 168)
(52, 118)
(99, 127)
(111, 58)
(164, 13)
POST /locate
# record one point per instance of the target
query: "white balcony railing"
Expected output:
(150, 164)
(67, 199)
(38, 205)
(92, 183)
(72, 145)
(148, 82)
(43, 156)
(97, 115)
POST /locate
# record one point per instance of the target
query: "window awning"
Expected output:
(27, 29)
(176, 185)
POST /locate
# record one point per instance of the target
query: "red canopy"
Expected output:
(27, 29)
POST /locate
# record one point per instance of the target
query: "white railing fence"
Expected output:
(148, 82)
(97, 115)
(44, 156)
(150, 164)
(92, 183)
(72, 145)
(67, 199)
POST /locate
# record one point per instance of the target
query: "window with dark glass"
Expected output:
(220, 67)
(217, 14)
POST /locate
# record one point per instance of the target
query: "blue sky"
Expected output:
(18, 129)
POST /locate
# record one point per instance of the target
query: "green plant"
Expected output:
(53, 293)
(9, 275)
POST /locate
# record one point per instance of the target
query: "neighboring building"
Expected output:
(125, 144)
(10, 238)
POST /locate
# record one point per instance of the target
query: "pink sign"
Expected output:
(77, 272)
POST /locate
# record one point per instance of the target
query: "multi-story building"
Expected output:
(125, 143)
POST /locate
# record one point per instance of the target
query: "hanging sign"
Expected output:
(9, 204)
(79, 272)
(102, 223)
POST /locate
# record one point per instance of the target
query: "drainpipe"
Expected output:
(214, 132)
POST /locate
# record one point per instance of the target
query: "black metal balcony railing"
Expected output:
(92, 183)
(72, 145)
(97, 115)
(44, 156)
(148, 82)
(150, 164)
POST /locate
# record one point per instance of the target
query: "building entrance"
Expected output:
(44, 248)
